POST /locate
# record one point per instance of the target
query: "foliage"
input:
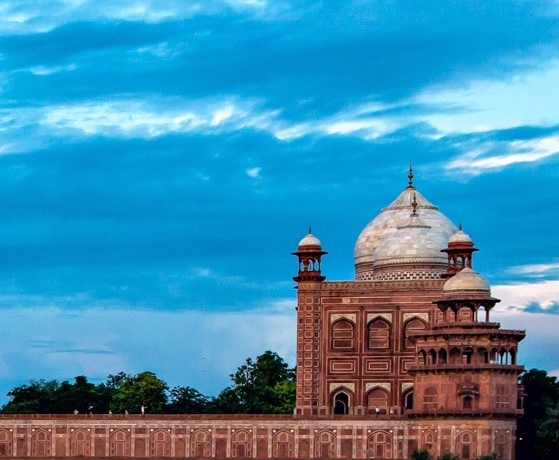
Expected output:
(143, 389)
(186, 400)
(449, 457)
(492, 456)
(265, 385)
(548, 437)
(537, 429)
(262, 386)
(421, 454)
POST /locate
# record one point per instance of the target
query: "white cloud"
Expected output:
(487, 105)
(153, 117)
(19, 17)
(541, 337)
(535, 270)
(521, 295)
(42, 70)
(254, 173)
(484, 156)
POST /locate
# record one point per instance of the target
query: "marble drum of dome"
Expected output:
(408, 245)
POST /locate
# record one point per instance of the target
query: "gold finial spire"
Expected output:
(310, 230)
(414, 205)
(410, 177)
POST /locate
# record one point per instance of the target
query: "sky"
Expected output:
(160, 161)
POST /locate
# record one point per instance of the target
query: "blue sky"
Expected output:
(160, 160)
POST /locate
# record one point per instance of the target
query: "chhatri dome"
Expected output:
(405, 240)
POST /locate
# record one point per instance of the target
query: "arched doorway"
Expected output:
(341, 403)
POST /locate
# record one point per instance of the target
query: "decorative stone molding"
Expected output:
(406, 386)
(349, 316)
(386, 316)
(384, 385)
(336, 385)
(424, 316)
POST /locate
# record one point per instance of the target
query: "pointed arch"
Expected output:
(241, 444)
(160, 444)
(412, 325)
(343, 335)
(501, 443)
(455, 356)
(325, 445)
(429, 440)
(6, 443)
(466, 445)
(283, 444)
(379, 334)
(41, 444)
(407, 399)
(120, 444)
(377, 398)
(432, 356)
(80, 443)
(200, 444)
(341, 402)
(379, 444)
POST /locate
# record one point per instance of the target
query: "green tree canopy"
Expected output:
(536, 434)
(187, 400)
(263, 386)
(135, 391)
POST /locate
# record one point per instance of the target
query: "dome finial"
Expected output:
(410, 177)
(310, 230)
(460, 226)
(414, 205)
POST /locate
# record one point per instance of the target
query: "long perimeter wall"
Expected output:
(184, 436)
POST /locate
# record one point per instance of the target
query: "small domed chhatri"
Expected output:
(309, 241)
(466, 281)
(460, 237)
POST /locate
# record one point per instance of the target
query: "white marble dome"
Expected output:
(414, 243)
(386, 224)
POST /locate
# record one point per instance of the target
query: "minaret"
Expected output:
(309, 279)
(459, 251)
(309, 253)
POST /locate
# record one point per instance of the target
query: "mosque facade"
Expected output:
(403, 357)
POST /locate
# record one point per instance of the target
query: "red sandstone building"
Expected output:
(403, 357)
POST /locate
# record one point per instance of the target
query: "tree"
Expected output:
(421, 454)
(226, 402)
(81, 396)
(449, 457)
(535, 429)
(283, 394)
(143, 389)
(547, 447)
(187, 400)
(492, 456)
(27, 399)
(259, 386)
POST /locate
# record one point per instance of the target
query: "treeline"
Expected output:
(265, 385)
